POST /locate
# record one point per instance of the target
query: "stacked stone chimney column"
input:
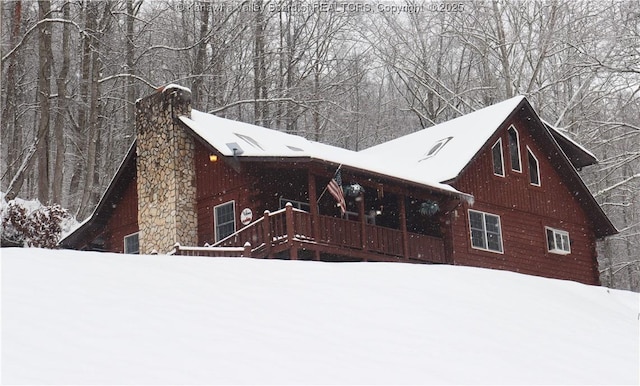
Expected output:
(165, 172)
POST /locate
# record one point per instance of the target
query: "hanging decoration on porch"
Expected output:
(354, 190)
(429, 208)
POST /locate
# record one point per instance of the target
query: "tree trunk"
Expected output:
(259, 70)
(504, 55)
(92, 176)
(9, 116)
(45, 57)
(132, 10)
(201, 55)
(90, 16)
(58, 130)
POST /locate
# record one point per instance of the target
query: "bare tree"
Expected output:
(9, 113)
(44, 92)
(59, 125)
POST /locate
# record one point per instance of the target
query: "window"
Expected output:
(486, 232)
(436, 148)
(558, 241)
(296, 204)
(225, 220)
(514, 149)
(534, 168)
(498, 162)
(132, 244)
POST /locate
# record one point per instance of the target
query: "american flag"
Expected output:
(335, 188)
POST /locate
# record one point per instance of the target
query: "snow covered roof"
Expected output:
(577, 153)
(233, 138)
(443, 150)
(248, 140)
(125, 172)
(432, 157)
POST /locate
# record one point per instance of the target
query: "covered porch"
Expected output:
(289, 233)
(383, 221)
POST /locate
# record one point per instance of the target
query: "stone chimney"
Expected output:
(167, 211)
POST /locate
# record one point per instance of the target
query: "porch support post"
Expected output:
(247, 250)
(288, 212)
(403, 225)
(266, 229)
(363, 223)
(313, 204)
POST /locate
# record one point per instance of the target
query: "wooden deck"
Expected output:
(292, 233)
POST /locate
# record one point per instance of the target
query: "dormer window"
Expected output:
(514, 149)
(498, 161)
(534, 168)
(436, 148)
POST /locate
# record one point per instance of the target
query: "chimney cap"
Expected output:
(173, 86)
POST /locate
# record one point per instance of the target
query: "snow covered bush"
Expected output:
(32, 224)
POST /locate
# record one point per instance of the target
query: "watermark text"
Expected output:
(391, 7)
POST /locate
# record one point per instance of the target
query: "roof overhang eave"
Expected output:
(447, 191)
(307, 158)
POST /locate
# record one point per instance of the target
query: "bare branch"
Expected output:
(117, 76)
(33, 28)
(616, 185)
(269, 100)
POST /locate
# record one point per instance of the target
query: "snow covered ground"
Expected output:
(89, 318)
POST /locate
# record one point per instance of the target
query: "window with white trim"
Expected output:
(486, 232)
(296, 204)
(224, 217)
(132, 244)
(514, 149)
(498, 161)
(558, 241)
(534, 168)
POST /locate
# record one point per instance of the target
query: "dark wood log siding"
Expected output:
(124, 219)
(524, 212)
(217, 183)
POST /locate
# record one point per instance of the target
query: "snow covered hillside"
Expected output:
(89, 318)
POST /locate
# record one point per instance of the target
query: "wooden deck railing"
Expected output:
(291, 229)
(244, 251)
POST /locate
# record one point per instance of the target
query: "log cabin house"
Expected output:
(497, 188)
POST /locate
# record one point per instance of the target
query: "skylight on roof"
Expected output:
(249, 140)
(435, 148)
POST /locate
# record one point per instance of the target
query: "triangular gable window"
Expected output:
(514, 149)
(534, 168)
(498, 161)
